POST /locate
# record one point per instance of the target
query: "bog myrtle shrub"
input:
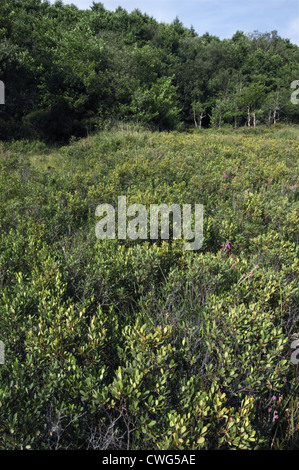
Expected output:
(123, 344)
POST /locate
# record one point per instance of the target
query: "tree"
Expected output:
(253, 96)
(199, 109)
(220, 110)
(157, 104)
(274, 105)
(85, 66)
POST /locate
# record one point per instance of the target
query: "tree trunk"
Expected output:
(254, 120)
(195, 121)
(200, 119)
(235, 118)
(249, 117)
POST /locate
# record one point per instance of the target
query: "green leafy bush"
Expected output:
(122, 344)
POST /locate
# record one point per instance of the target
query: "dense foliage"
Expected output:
(116, 344)
(67, 71)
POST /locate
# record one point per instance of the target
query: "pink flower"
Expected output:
(227, 245)
(274, 398)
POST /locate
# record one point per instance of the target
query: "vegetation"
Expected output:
(142, 344)
(68, 72)
(121, 344)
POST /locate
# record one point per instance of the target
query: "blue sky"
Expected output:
(221, 18)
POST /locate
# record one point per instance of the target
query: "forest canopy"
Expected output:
(69, 72)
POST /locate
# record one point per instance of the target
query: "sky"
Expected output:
(220, 18)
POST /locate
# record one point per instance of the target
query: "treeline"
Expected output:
(68, 72)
